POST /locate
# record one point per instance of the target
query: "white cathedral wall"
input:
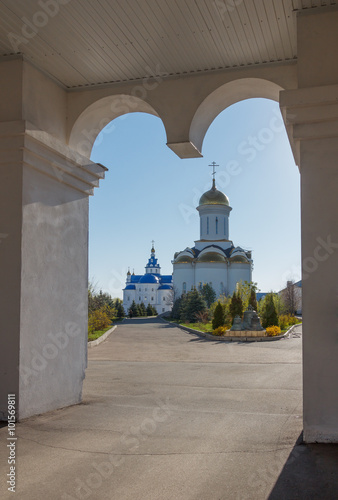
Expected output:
(238, 272)
(216, 274)
(183, 273)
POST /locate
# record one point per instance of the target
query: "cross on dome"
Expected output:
(213, 165)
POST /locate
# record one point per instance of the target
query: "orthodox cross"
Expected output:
(213, 165)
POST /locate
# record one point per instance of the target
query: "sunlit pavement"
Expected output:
(168, 415)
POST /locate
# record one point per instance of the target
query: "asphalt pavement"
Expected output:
(168, 415)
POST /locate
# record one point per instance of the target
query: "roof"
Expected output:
(149, 278)
(130, 287)
(121, 41)
(165, 287)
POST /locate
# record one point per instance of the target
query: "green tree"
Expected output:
(132, 311)
(154, 311)
(253, 299)
(150, 310)
(269, 314)
(143, 310)
(208, 293)
(178, 307)
(119, 310)
(218, 319)
(194, 304)
(236, 306)
(244, 290)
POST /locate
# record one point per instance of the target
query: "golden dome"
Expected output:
(211, 257)
(214, 197)
(239, 259)
(184, 259)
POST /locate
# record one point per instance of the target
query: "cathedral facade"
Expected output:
(150, 288)
(214, 259)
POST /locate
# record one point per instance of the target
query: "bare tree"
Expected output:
(289, 297)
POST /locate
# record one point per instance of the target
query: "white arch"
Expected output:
(225, 96)
(97, 115)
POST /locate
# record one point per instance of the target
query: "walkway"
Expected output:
(169, 416)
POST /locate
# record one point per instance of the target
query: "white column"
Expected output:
(311, 117)
(44, 261)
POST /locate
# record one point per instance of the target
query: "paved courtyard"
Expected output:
(168, 415)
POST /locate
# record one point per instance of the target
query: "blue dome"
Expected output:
(130, 287)
(165, 287)
(149, 278)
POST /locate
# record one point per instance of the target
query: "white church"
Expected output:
(214, 259)
(150, 288)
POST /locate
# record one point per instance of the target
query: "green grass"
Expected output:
(207, 327)
(98, 333)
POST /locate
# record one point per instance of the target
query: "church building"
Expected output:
(214, 259)
(150, 288)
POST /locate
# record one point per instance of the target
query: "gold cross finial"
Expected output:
(213, 165)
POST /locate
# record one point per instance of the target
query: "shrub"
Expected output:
(218, 319)
(220, 331)
(287, 320)
(272, 331)
(202, 317)
(236, 306)
(98, 320)
(269, 314)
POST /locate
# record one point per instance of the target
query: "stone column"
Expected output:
(311, 117)
(43, 261)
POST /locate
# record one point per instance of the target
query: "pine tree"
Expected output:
(253, 299)
(236, 306)
(218, 319)
(208, 294)
(120, 310)
(132, 311)
(269, 313)
(143, 311)
(177, 310)
(155, 313)
(139, 310)
(194, 303)
(150, 311)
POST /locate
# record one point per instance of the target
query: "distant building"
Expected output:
(149, 288)
(292, 296)
(214, 259)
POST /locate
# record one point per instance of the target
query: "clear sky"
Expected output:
(151, 194)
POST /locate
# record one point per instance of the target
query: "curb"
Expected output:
(208, 336)
(103, 337)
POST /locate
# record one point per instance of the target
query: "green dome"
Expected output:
(214, 197)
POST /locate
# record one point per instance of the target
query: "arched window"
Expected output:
(184, 287)
(216, 225)
(207, 225)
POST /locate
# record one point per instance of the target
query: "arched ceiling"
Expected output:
(94, 42)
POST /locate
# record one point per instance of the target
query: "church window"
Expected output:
(152, 298)
(152, 289)
(200, 285)
(145, 298)
(163, 298)
(128, 297)
(207, 225)
(145, 289)
(216, 225)
(139, 299)
(184, 287)
(222, 287)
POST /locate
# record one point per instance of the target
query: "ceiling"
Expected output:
(82, 43)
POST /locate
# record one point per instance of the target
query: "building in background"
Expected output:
(150, 288)
(214, 259)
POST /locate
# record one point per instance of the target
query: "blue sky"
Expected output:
(149, 193)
